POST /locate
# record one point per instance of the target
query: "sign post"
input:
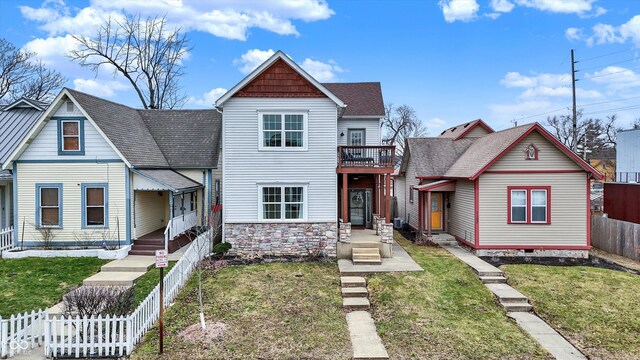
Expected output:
(162, 260)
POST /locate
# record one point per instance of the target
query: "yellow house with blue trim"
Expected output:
(94, 173)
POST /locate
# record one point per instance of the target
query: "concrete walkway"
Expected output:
(401, 261)
(517, 306)
(121, 272)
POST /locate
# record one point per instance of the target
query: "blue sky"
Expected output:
(452, 60)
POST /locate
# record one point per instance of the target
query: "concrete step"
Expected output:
(130, 264)
(493, 279)
(492, 273)
(365, 341)
(367, 262)
(507, 294)
(365, 244)
(352, 281)
(516, 307)
(110, 278)
(365, 251)
(366, 256)
(356, 303)
(354, 292)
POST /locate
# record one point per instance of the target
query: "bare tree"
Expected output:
(21, 75)
(399, 123)
(594, 134)
(636, 124)
(146, 52)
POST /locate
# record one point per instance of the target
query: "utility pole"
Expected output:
(574, 143)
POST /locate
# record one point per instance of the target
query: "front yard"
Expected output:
(33, 283)
(598, 310)
(443, 313)
(272, 311)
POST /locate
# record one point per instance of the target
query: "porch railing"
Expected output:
(178, 225)
(628, 177)
(366, 156)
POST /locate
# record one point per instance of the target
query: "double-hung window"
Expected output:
(70, 136)
(282, 202)
(280, 131)
(529, 205)
(95, 208)
(49, 205)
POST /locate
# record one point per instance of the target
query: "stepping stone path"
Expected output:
(517, 306)
(365, 341)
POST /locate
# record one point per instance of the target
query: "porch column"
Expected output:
(376, 204)
(387, 190)
(345, 198)
(428, 213)
(420, 211)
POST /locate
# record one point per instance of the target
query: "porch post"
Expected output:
(387, 189)
(376, 204)
(170, 205)
(428, 213)
(345, 198)
(420, 211)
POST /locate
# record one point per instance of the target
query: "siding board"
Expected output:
(371, 126)
(549, 157)
(462, 211)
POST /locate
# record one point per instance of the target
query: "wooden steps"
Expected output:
(148, 244)
(366, 256)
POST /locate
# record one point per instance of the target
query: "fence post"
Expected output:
(4, 337)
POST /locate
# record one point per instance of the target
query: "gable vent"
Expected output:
(70, 107)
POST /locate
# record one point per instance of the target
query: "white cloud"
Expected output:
(459, 10)
(101, 88)
(559, 6)
(607, 33)
(435, 125)
(515, 79)
(322, 71)
(503, 6)
(562, 91)
(227, 19)
(574, 34)
(209, 98)
(615, 78)
(252, 59)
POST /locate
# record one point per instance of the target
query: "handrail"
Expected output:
(167, 235)
(382, 156)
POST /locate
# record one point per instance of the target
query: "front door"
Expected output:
(360, 207)
(436, 211)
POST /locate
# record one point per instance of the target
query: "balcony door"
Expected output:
(356, 137)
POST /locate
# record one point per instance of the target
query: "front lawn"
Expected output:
(598, 310)
(272, 311)
(443, 313)
(147, 282)
(32, 283)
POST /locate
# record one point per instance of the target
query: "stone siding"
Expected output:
(578, 254)
(386, 232)
(278, 239)
(345, 232)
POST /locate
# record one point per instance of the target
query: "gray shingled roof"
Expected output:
(455, 131)
(15, 123)
(485, 149)
(157, 138)
(362, 99)
(172, 180)
(187, 138)
(433, 156)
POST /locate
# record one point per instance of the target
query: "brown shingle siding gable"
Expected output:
(280, 81)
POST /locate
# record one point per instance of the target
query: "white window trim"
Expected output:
(526, 206)
(63, 136)
(103, 206)
(545, 206)
(305, 202)
(305, 130)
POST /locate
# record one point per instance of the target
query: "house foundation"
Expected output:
(577, 254)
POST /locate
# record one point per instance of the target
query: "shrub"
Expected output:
(221, 248)
(99, 300)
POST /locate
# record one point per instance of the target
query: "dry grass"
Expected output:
(598, 310)
(444, 313)
(273, 311)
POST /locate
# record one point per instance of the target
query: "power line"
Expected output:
(607, 54)
(631, 107)
(608, 74)
(608, 101)
(609, 64)
(544, 113)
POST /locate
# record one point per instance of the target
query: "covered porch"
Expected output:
(433, 208)
(167, 206)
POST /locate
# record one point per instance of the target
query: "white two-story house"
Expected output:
(299, 158)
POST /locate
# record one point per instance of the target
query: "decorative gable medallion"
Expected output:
(531, 152)
(280, 81)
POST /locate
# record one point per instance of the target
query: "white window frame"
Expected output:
(104, 206)
(526, 206)
(546, 206)
(282, 186)
(283, 147)
(63, 136)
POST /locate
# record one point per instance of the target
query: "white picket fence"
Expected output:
(6, 238)
(21, 333)
(98, 336)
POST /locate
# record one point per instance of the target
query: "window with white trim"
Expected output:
(529, 205)
(70, 135)
(286, 202)
(283, 131)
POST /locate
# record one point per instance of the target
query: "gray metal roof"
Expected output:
(157, 138)
(170, 179)
(187, 138)
(15, 124)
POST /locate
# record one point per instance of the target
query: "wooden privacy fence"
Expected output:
(616, 236)
(21, 333)
(6, 238)
(98, 336)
